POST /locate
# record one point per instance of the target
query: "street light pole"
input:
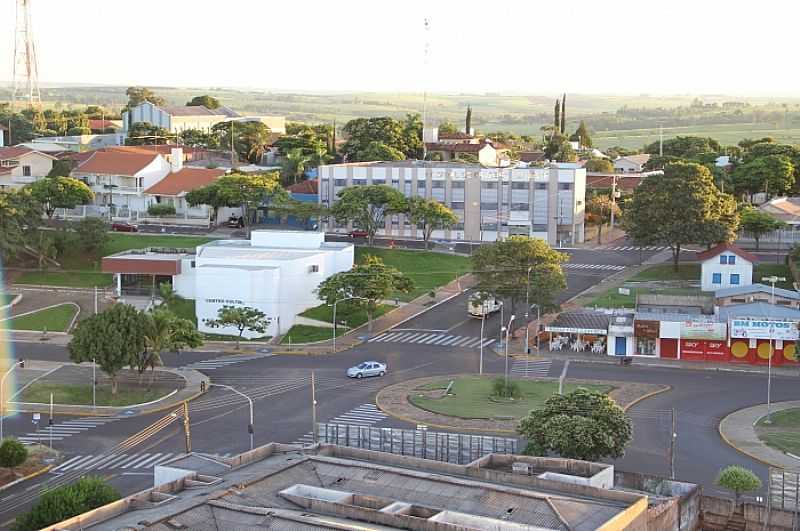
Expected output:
(772, 280)
(334, 316)
(483, 321)
(527, 309)
(3, 397)
(249, 401)
(508, 331)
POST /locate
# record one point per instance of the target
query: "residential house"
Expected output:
(631, 163)
(172, 189)
(119, 179)
(3, 131)
(757, 293)
(786, 209)
(21, 165)
(101, 126)
(725, 266)
(491, 203)
(177, 118)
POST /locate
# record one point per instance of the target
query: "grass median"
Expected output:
(783, 433)
(55, 319)
(81, 395)
(471, 397)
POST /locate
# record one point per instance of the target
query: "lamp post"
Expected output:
(249, 401)
(508, 331)
(483, 321)
(334, 315)
(502, 320)
(527, 309)
(20, 363)
(772, 280)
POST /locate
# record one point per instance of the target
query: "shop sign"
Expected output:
(763, 329)
(643, 328)
(692, 348)
(702, 330)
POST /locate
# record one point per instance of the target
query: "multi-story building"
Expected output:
(491, 203)
(177, 118)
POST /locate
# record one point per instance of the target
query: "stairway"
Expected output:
(736, 522)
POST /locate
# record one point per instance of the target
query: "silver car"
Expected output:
(367, 368)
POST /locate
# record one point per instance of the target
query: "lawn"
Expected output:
(55, 319)
(613, 299)
(667, 272)
(784, 432)
(310, 334)
(352, 314)
(779, 270)
(470, 397)
(82, 394)
(184, 308)
(427, 269)
(70, 279)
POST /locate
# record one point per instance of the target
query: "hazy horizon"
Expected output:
(621, 48)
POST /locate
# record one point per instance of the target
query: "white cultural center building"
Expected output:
(276, 272)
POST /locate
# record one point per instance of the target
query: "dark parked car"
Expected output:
(357, 233)
(122, 226)
(235, 222)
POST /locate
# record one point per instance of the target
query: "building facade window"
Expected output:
(457, 205)
(565, 186)
(340, 182)
(519, 185)
(488, 206)
(519, 206)
(734, 279)
(716, 278)
(488, 185)
(437, 184)
(359, 182)
(26, 171)
(540, 186)
(457, 184)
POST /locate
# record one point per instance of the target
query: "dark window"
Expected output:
(565, 186)
(519, 206)
(340, 182)
(488, 185)
(540, 186)
(359, 182)
(457, 184)
(457, 205)
(437, 184)
(26, 171)
(488, 206)
(519, 186)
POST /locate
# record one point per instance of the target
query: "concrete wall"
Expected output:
(168, 474)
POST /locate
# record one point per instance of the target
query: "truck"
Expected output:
(481, 305)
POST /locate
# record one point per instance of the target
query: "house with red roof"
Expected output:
(172, 190)
(20, 165)
(725, 266)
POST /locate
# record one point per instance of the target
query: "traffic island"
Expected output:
(748, 431)
(468, 403)
(40, 459)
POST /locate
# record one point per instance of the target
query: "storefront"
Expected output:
(620, 336)
(703, 340)
(578, 332)
(756, 340)
(646, 334)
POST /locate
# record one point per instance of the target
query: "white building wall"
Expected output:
(742, 267)
(184, 284)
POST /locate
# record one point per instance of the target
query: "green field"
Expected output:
(70, 279)
(470, 398)
(353, 315)
(667, 272)
(427, 269)
(310, 334)
(82, 394)
(784, 431)
(725, 134)
(55, 319)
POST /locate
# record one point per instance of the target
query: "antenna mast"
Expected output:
(425, 89)
(26, 66)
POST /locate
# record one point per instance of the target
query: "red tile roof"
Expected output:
(102, 124)
(185, 180)
(116, 163)
(164, 149)
(13, 152)
(625, 183)
(726, 247)
(458, 135)
(309, 186)
(456, 148)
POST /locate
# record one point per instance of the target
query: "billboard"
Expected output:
(702, 330)
(764, 329)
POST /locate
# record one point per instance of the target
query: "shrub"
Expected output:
(92, 233)
(501, 389)
(12, 453)
(738, 479)
(65, 502)
(160, 209)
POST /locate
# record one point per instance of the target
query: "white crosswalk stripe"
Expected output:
(430, 338)
(363, 415)
(64, 429)
(637, 248)
(531, 368)
(110, 462)
(595, 267)
(222, 361)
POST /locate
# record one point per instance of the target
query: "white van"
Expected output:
(481, 308)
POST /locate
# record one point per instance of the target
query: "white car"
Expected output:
(367, 368)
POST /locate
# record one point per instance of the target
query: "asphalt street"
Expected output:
(280, 387)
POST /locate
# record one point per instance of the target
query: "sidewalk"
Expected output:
(737, 429)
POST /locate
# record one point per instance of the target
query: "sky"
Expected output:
(515, 46)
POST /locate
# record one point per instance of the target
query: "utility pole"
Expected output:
(613, 200)
(772, 280)
(425, 88)
(660, 140)
(50, 421)
(313, 408)
(186, 431)
(672, 439)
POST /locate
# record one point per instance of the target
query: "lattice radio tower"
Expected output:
(26, 66)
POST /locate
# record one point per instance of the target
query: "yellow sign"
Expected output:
(739, 349)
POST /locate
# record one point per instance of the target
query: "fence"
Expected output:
(784, 489)
(457, 448)
(784, 237)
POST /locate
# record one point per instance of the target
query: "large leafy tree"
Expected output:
(147, 134)
(60, 192)
(139, 95)
(599, 165)
(582, 135)
(294, 166)
(583, 424)
(248, 192)
(92, 234)
(559, 149)
(195, 138)
(242, 318)
(371, 281)
(250, 138)
(738, 479)
(680, 207)
(429, 215)
(758, 223)
(165, 332)
(598, 210)
(502, 270)
(113, 337)
(20, 216)
(771, 174)
(400, 136)
(205, 100)
(62, 503)
(303, 211)
(685, 147)
(367, 207)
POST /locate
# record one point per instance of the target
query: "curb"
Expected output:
(26, 478)
(646, 396)
(738, 449)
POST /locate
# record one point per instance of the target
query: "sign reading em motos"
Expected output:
(759, 329)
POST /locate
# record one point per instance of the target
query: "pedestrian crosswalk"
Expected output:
(531, 368)
(597, 267)
(64, 429)
(438, 339)
(222, 361)
(114, 461)
(637, 248)
(363, 415)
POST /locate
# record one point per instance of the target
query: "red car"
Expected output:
(358, 233)
(124, 227)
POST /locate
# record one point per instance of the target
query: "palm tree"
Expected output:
(255, 135)
(320, 155)
(295, 165)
